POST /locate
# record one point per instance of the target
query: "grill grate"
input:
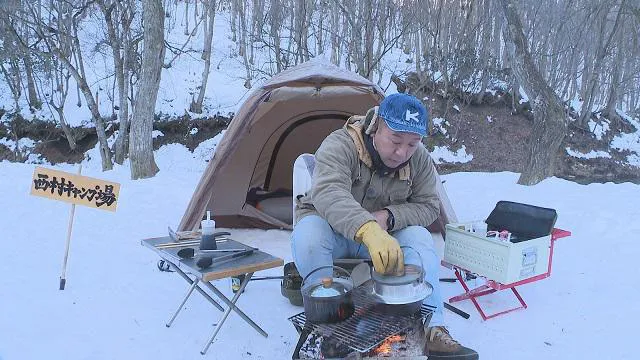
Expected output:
(367, 327)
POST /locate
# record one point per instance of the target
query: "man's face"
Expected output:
(394, 147)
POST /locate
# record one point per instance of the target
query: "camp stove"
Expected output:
(369, 333)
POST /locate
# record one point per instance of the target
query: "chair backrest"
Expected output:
(302, 176)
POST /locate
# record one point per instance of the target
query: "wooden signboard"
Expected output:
(75, 189)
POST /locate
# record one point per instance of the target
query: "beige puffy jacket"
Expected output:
(346, 189)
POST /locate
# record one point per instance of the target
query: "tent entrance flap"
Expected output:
(303, 136)
(271, 187)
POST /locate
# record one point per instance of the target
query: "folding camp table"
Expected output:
(258, 260)
(492, 286)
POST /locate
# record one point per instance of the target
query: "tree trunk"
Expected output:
(612, 99)
(369, 37)
(276, 22)
(568, 90)
(196, 106)
(33, 100)
(601, 53)
(116, 43)
(335, 41)
(257, 12)
(320, 32)
(251, 34)
(143, 164)
(105, 152)
(66, 128)
(484, 53)
(122, 142)
(81, 79)
(32, 95)
(307, 22)
(298, 15)
(234, 16)
(549, 120)
(417, 53)
(128, 59)
(186, 17)
(14, 86)
(243, 41)
(62, 88)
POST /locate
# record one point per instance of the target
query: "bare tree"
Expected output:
(210, 14)
(143, 164)
(49, 35)
(276, 17)
(240, 11)
(602, 49)
(549, 121)
(118, 16)
(186, 17)
(9, 59)
(14, 81)
(17, 76)
(60, 87)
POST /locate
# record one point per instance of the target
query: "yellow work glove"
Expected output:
(384, 249)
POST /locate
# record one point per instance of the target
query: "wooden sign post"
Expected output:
(74, 189)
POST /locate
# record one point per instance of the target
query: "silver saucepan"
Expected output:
(402, 295)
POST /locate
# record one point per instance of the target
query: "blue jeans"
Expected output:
(315, 244)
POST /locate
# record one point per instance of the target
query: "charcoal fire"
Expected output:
(391, 344)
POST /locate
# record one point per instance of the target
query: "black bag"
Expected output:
(525, 222)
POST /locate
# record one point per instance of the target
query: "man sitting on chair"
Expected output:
(374, 183)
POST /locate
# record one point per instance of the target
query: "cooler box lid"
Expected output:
(524, 221)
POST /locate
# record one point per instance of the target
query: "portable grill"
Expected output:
(367, 328)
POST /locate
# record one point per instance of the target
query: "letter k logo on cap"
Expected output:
(409, 116)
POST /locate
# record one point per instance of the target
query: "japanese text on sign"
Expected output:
(76, 189)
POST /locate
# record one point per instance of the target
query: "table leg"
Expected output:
(477, 292)
(202, 292)
(517, 294)
(304, 334)
(482, 291)
(191, 288)
(232, 306)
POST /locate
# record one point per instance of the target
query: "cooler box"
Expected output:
(527, 255)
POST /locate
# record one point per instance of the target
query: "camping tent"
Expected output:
(289, 115)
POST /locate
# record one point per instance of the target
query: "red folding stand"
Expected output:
(492, 286)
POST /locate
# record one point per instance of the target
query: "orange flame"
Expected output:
(385, 347)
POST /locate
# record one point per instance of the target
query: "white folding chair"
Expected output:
(302, 177)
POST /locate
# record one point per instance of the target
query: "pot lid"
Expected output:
(327, 288)
(420, 293)
(411, 273)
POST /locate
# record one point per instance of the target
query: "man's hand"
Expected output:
(381, 218)
(384, 249)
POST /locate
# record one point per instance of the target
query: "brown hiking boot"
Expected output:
(440, 345)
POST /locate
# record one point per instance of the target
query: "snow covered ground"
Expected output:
(117, 302)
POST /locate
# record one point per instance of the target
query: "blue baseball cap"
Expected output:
(402, 112)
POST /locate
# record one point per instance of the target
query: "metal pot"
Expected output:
(402, 295)
(329, 299)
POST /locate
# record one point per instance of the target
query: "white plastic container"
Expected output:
(495, 259)
(208, 227)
